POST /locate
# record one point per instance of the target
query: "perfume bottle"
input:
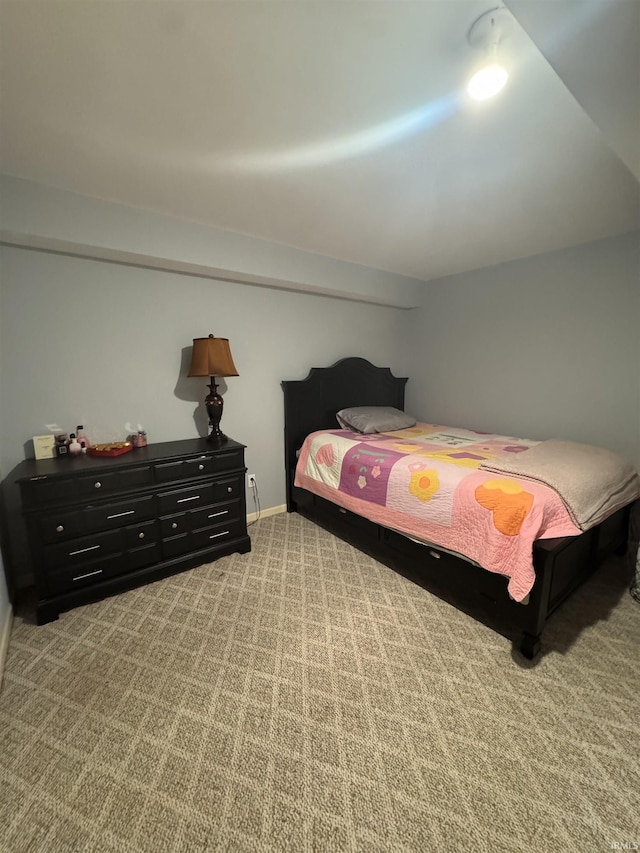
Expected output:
(82, 438)
(75, 447)
(61, 444)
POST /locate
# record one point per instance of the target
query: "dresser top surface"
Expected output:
(161, 452)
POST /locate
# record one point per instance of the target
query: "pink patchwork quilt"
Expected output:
(425, 482)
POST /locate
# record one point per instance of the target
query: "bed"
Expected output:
(517, 609)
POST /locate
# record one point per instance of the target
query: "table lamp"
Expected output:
(212, 357)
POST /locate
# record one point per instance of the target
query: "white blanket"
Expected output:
(592, 482)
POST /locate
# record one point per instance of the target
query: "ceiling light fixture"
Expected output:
(486, 33)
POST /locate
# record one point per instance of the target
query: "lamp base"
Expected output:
(217, 437)
(214, 404)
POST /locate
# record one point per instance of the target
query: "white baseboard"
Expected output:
(4, 640)
(265, 513)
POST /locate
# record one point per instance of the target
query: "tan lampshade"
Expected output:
(212, 357)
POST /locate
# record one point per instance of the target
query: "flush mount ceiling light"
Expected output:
(486, 34)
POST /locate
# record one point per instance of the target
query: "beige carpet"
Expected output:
(305, 698)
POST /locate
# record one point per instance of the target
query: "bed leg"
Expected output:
(530, 645)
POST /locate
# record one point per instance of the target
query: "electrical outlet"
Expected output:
(251, 481)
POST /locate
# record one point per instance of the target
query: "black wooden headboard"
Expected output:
(311, 404)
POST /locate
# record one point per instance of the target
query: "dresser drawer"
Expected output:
(228, 488)
(141, 534)
(115, 481)
(184, 499)
(89, 573)
(175, 546)
(209, 537)
(199, 466)
(202, 538)
(46, 490)
(104, 516)
(60, 525)
(184, 522)
(174, 525)
(138, 558)
(216, 514)
(75, 552)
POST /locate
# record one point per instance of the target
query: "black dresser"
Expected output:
(101, 525)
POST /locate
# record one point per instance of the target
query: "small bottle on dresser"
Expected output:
(139, 439)
(82, 438)
(74, 445)
(61, 444)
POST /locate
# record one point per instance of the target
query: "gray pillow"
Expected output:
(369, 419)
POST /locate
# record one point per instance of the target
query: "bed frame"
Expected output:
(561, 565)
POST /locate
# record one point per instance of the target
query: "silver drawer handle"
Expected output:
(200, 467)
(215, 535)
(97, 485)
(434, 554)
(88, 575)
(174, 526)
(229, 489)
(83, 550)
(216, 514)
(140, 535)
(120, 514)
(59, 528)
(184, 500)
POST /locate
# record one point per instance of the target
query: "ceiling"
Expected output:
(341, 128)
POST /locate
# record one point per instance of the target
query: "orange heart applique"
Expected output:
(508, 502)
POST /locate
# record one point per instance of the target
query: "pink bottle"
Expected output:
(82, 438)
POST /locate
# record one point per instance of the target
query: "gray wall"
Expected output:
(544, 347)
(107, 345)
(45, 217)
